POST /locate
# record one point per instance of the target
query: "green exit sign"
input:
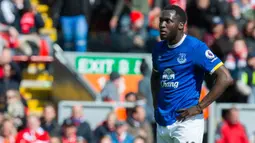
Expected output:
(105, 65)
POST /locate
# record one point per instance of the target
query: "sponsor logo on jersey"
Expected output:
(167, 76)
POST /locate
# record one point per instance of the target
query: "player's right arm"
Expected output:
(155, 76)
(155, 86)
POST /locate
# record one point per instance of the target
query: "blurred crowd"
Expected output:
(132, 25)
(17, 127)
(226, 26)
(19, 28)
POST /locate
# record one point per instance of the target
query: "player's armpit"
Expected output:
(223, 80)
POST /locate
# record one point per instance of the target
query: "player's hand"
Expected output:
(187, 113)
(114, 22)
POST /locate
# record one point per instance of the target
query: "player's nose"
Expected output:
(162, 25)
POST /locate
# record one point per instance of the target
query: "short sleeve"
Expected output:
(206, 59)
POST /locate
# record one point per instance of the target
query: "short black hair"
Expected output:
(134, 109)
(114, 75)
(179, 11)
(130, 94)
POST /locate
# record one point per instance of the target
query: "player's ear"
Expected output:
(181, 25)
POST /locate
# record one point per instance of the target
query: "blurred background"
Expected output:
(78, 71)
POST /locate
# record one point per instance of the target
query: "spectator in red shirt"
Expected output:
(33, 133)
(231, 130)
(8, 132)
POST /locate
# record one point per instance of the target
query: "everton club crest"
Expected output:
(182, 58)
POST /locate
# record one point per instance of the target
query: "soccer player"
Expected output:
(179, 64)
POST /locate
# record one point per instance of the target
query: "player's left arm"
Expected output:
(223, 80)
(208, 62)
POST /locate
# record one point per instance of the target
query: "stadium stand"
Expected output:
(35, 72)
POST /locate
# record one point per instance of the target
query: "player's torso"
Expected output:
(178, 74)
(175, 67)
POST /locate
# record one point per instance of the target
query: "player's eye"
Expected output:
(169, 21)
(161, 20)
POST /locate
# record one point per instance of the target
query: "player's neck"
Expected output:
(177, 39)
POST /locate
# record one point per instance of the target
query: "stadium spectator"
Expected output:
(136, 31)
(217, 31)
(236, 63)
(55, 140)
(49, 122)
(83, 128)
(145, 89)
(5, 58)
(206, 10)
(29, 39)
(15, 107)
(110, 91)
(162, 3)
(73, 17)
(236, 16)
(249, 29)
(70, 132)
(81, 140)
(140, 139)
(224, 45)
(33, 132)
(130, 97)
(8, 132)
(138, 126)
(121, 135)
(247, 8)
(12, 10)
(133, 5)
(153, 32)
(236, 60)
(31, 21)
(106, 128)
(9, 36)
(106, 139)
(248, 76)
(12, 77)
(231, 129)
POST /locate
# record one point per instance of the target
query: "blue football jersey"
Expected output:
(181, 68)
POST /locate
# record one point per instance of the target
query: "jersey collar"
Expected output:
(179, 43)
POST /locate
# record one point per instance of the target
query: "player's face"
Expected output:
(168, 25)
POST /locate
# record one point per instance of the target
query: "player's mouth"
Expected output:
(163, 32)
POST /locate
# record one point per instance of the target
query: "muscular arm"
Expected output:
(223, 80)
(155, 86)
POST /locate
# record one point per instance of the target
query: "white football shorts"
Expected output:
(189, 131)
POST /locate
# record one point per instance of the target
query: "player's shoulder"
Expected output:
(193, 42)
(159, 46)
